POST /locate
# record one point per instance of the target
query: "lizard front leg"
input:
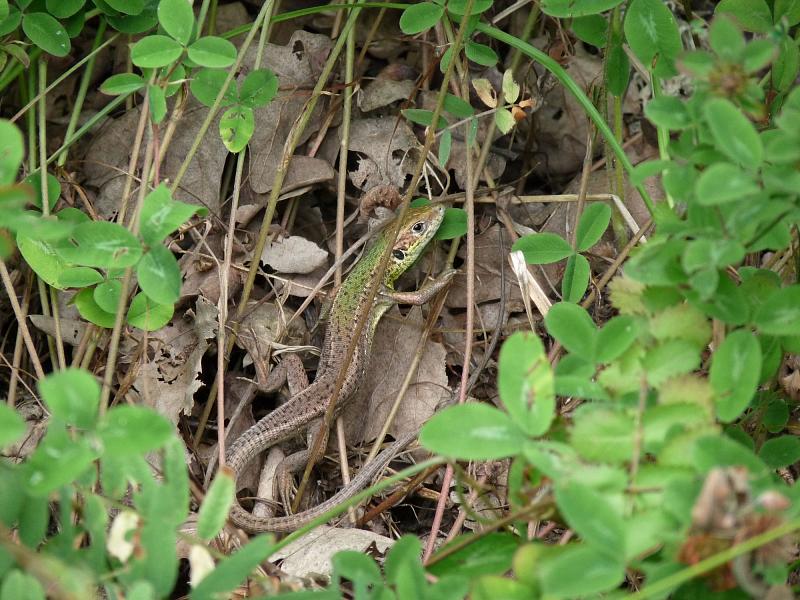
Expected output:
(424, 294)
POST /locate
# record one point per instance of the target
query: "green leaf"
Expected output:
(214, 510)
(577, 8)
(591, 29)
(591, 515)
(73, 396)
(258, 88)
(159, 275)
(724, 182)
(128, 7)
(592, 224)
(21, 586)
(734, 374)
(786, 66)
(789, 9)
(213, 52)
(158, 103)
(58, 460)
(47, 33)
(492, 553)
(128, 430)
(78, 277)
(460, 109)
(155, 51)
(752, 15)
(652, 34)
(704, 253)
(480, 54)
(726, 38)
(231, 571)
(41, 256)
(89, 309)
(404, 556)
(177, 19)
(417, 18)
(11, 22)
(780, 313)
(525, 383)
(669, 112)
(423, 117)
(615, 338)
(53, 189)
(574, 329)
(12, 149)
(602, 435)
(453, 225)
(669, 359)
(510, 87)
(576, 278)
(459, 7)
(580, 571)
(718, 451)
(124, 83)
(145, 314)
(236, 127)
(102, 244)
(504, 120)
(733, 133)
(4, 10)
(358, 568)
(206, 86)
(445, 145)
(11, 425)
(542, 248)
(107, 295)
(134, 24)
(781, 451)
(484, 433)
(618, 69)
(161, 215)
(60, 9)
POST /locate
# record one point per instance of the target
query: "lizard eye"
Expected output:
(419, 227)
(399, 254)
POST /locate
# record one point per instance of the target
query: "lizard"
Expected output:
(307, 407)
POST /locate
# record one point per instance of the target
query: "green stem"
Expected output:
(576, 91)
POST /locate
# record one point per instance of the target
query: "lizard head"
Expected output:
(418, 228)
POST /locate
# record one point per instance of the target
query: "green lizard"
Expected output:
(307, 407)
